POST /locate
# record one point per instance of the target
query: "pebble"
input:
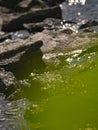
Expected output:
(22, 34)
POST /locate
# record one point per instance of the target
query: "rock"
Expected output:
(89, 24)
(22, 34)
(6, 79)
(47, 35)
(12, 51)
(48, 41)
(48, 23)
(53, 2)
(35, 16)
(2, 86)
(32, 3)
(58, 41)
(14, 58)
(8, 3)
(3, 37)
(16, 55)
(29, 3)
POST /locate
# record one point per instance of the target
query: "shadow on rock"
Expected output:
(31, 61)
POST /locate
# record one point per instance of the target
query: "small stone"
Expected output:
(22, 34)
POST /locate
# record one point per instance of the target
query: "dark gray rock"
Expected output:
(14, 57)
(28, 3)
(48, 23)
(8, 3)
(4, 36)
(49, 36)
(47, 41)
(12, 51)
(34, 16)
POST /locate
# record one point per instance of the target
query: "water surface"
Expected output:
(62, 96)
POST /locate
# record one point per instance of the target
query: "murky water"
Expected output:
(63, 96)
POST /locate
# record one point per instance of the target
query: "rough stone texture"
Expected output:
(48, 41)
(16, 22)
(6, 79)
(46, 34)
(12, 51)
(48, 23)
(55, 41)
(15, 54)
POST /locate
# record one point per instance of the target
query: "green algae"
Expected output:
(68, 93)
(62, 91)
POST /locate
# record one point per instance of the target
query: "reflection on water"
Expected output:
(63, 97)
(76, 15)
(60, 92)
(71, 87)
(12, 114)
(76, 2)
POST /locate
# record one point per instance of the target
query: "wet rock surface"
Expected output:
(27, 31)
(6, 79)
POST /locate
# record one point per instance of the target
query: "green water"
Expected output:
(63, 95)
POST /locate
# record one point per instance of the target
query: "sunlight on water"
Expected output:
(71, 93)
(62, 97)
(12, 114)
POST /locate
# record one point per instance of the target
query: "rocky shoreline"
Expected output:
(41, 33)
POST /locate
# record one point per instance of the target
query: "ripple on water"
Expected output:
(64, 81)
(79, 14)
(12, 114)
